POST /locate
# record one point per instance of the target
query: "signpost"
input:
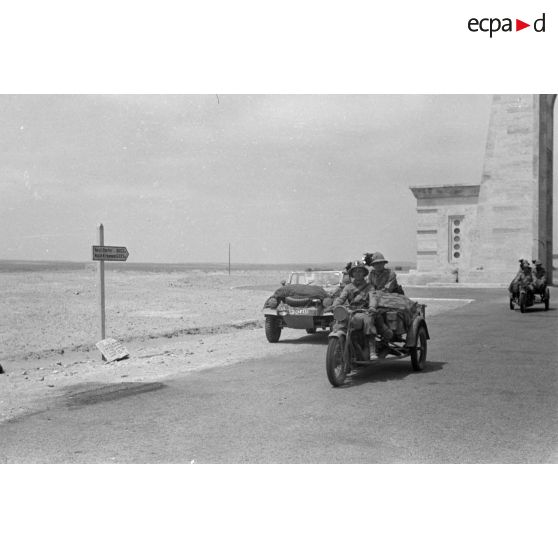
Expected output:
(103, 253)
(110, 253)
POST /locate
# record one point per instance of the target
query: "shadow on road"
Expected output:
(99, 393)
(320, 338)
(388, 371)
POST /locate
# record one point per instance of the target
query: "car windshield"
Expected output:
(319, 278)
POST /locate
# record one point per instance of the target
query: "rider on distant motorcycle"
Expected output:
(539, 278)
(523, 278)
(526, 278)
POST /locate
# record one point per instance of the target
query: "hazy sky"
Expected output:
(175, 178)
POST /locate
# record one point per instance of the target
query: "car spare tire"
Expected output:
(296, 301)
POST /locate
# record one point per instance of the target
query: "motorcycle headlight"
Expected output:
(340, 313)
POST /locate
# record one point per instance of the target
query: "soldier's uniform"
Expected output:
(539, 277)
(526, 278)
(514, 285)
(383, 279)
(355, 296)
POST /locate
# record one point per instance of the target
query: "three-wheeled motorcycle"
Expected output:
(527, 297)
(347, 345)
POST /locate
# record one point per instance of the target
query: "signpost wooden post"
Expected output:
(102, 253)
(101, 279)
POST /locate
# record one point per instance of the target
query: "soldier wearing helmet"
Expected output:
(382, 278)
(525, 276)
(514, 285)
(355, 295)
(356, 292)
(539, 277)
(346, 276)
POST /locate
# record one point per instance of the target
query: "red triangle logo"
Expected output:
(519, 25)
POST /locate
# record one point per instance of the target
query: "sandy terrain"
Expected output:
(171, 323)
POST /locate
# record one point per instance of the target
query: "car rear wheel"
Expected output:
(310, 330)
(272, 329)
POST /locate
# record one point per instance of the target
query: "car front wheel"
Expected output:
(272, 329)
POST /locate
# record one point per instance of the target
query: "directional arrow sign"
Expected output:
(110, 253)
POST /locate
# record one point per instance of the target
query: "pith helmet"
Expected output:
(358, 265)
(377, 257)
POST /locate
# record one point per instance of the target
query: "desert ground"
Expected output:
(170, 322)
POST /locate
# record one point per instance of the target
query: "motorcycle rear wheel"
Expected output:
(522, 303)
(335, 365)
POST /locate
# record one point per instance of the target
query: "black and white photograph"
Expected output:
(190, 275)
(278, 279)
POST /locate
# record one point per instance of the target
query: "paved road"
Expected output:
(488, 395)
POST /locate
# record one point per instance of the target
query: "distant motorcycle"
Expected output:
(347, 345)
(525, 298)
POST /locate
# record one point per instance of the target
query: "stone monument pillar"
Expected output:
(514, 212)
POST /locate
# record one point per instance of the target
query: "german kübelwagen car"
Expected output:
(300, 303)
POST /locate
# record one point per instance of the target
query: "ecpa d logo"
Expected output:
(493, 25)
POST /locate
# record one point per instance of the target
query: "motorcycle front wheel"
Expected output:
(335, 365)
